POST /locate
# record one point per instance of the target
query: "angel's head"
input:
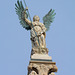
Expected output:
(36, 18)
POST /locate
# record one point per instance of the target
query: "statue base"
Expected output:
(41, 57)
(41, 64)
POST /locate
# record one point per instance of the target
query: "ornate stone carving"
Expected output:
(42, 68)
(33, 73)
(41, 63)
(37, 29)
(52, 73)
(39, 51)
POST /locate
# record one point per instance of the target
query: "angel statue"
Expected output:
(37, 29)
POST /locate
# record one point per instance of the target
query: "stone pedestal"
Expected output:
(41, 64)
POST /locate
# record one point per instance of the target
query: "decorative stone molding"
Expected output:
(42, 67)
(39, 51)
(33, 73)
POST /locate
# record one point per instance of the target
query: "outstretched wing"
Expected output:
(20, 11)
(48, 18)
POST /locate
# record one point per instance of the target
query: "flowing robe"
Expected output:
(37, 34)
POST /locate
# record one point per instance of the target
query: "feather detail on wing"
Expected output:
(48, 18)
(20, 11)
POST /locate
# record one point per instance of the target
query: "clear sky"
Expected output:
(15, 44)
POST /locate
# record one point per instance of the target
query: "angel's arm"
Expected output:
(44, 28)
(28, 22)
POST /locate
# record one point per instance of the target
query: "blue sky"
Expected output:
(15, 44)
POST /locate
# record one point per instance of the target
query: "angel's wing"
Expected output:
(48, 18)
(20, 11)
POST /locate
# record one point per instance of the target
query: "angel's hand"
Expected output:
(26, 8)
(25, 14)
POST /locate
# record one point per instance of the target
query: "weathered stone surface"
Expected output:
(41, 57)
(41, 63)
(39, 51)
(42, 67)
(52, 73)
(33, 73)
(37, 32)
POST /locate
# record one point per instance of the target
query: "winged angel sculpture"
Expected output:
(37, 29)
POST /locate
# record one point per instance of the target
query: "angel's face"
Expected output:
(36, 18)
